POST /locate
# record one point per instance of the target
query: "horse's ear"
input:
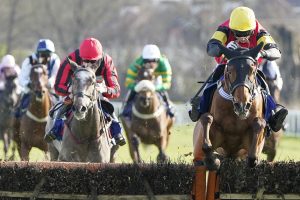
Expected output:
(254, 51)
(74, 65)
(228, 53)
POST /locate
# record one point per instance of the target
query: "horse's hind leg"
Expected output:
(257, 143)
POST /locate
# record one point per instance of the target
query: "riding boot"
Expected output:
(275, 113)
(116, 131)
(23, 105)
(277, 118)
(201, 104)
(58, 124)
(170, 107)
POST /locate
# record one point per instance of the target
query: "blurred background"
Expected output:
(181, 28)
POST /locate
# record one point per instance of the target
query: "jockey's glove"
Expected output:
(261, 54)
(68, 100)
(101, 87)
(232, 45)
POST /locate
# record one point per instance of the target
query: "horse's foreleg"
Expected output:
(206, 120)
(199, 182)
(257, 143)
(25, 152)
(6, 141)
(211, 161)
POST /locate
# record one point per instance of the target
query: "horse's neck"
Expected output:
(39, 108)
(154, 106)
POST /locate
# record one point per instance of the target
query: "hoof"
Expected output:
(252, 162)
(162, 158)
(212, 164)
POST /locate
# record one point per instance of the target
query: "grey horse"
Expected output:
(8, 101)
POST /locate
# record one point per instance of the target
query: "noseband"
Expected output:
(242, 76)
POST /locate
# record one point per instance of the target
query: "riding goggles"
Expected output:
(150, 60)
(239, 34)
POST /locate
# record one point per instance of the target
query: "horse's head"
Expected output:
(39, 79)
(145, 90)
(146, 72)
(83, 90)
(10, 75)
(240, 78)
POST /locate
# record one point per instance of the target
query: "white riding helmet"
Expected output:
(8, 61)
(151, 51)
(45, 45)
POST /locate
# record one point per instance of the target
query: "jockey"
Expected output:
(8, 67)
(241, 30)
(45, 54)
(272, 72)
(90, 53)
(163, 73)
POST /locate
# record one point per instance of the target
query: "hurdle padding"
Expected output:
(60, 180)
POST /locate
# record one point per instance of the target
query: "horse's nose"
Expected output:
(79, 108)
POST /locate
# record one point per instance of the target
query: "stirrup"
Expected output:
(50, 136)
(120, 140)
(276, 121)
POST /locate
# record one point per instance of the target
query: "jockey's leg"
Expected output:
(116, 131)
(128, 104)
(201, 104)
(167, 100)
(23, 104)
(55, 131)
(275, 114)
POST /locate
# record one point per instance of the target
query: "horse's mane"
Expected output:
(144, 85)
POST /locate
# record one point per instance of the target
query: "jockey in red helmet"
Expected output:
(89, 54)
(241, 30)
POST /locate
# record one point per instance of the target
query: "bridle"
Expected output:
(93, 96)
(242, 77)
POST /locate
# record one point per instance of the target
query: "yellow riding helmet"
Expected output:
(242, 19)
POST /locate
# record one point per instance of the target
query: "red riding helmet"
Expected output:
(90, 49)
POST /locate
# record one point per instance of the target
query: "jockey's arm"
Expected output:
(217, 39)
(165, 71)
(270, 49)
(63, 78)
(132, 73)
(111, 79)
(24, 78)
(55, 67)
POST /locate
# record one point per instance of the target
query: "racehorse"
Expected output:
(271, 144)
(234, 125)
(85, 135)
(32, 124)
(8, 101)
(149, 122)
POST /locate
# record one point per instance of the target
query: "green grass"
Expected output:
(181, 147)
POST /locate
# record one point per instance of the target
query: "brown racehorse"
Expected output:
(150, 122)
(32, 124)
(235, 124)
(86, 136)
(272, 141)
